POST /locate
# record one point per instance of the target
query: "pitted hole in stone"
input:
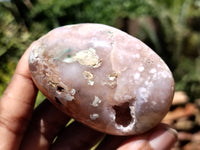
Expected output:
(123, 114)
(58, 101)
(59, 89)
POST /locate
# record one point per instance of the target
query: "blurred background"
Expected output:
(170, 27)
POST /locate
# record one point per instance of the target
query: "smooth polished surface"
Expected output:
(102, 77)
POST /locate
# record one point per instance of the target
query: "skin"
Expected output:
(22, 127)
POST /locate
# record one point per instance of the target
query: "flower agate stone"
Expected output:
(102, 77)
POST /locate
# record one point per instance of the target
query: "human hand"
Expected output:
(22, 127)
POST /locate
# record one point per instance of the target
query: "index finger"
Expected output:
(16, 105)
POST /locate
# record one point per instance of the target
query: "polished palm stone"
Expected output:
(102, 77)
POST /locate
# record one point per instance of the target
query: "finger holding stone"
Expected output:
(111, 142)
(46, 123)
(161, 137)
(77, 136)
(16, 105)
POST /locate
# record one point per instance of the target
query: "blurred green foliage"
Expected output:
(170, 27)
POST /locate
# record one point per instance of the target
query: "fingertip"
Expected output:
(161, 137)
(165, 139)
(22, 66)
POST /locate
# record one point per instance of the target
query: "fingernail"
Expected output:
(165, 141)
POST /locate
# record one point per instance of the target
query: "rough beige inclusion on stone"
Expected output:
(103, 78)
(85, 57)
